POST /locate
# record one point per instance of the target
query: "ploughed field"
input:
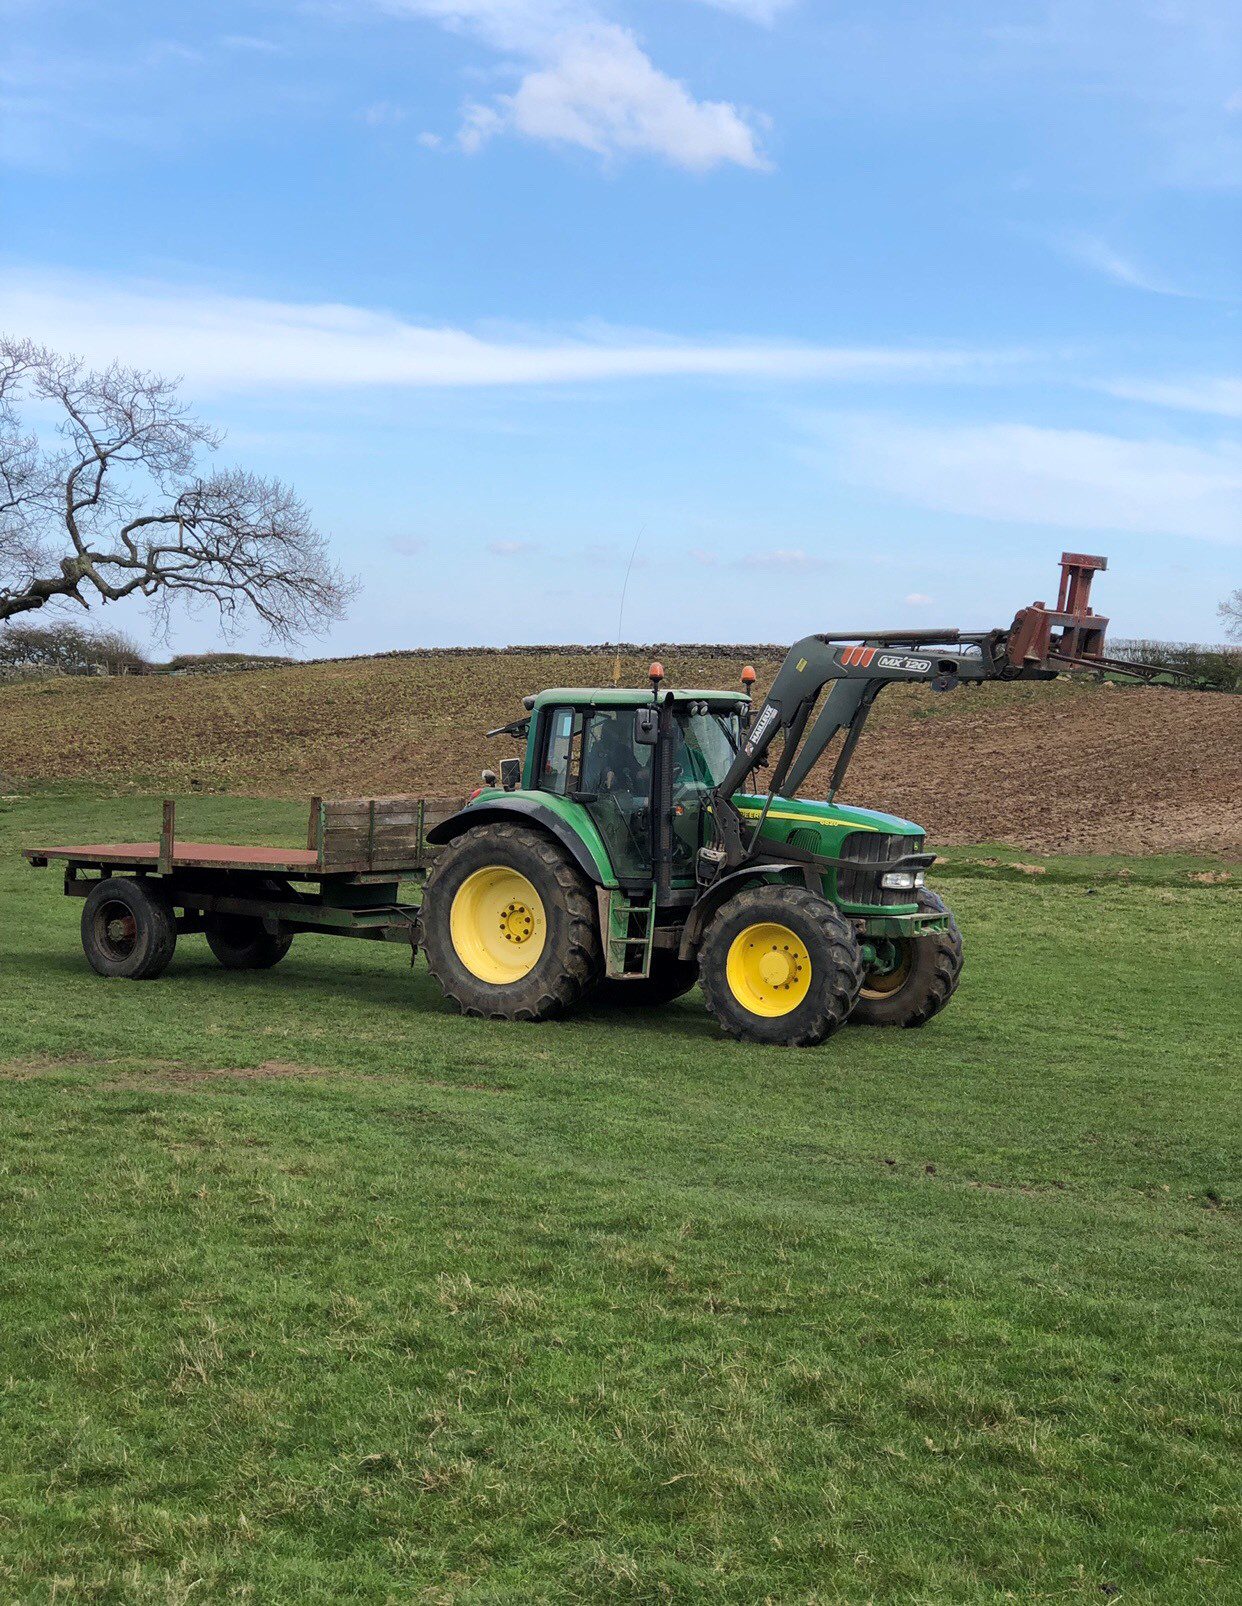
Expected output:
(314, 1291)
(1055, 767)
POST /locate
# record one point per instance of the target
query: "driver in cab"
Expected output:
(611, 764)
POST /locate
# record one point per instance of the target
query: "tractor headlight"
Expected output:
(902, 880)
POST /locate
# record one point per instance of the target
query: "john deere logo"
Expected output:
(801, 665)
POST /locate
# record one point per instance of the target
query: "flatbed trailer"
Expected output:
(251, 901)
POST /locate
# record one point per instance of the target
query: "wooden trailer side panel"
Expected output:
(379, 833)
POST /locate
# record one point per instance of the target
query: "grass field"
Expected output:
(313, 1291)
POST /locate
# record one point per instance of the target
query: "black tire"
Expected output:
(128, 928)
(929, 969)
(240, 942)
(833, 969)
(568, 962)
(670, 978)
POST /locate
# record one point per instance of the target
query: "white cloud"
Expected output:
(383, 114)
(511, 549)
(586, 81)
(233, 342)
(917, 599)
(253, 43)
(1063, 478)
(765, 11)
(1100, 257)
(1220, 396)
(786, 557)
(407, 546)
(601, 92)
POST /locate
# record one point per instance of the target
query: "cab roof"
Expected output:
(631, 697)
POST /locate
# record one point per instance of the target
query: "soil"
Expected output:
(1047, 767)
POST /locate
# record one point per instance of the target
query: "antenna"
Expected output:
(625, 586)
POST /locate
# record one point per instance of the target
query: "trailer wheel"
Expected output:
(128, 928)
(241, 942)
(917, 978)
(508, 925)
(780, 965)
(670, 978)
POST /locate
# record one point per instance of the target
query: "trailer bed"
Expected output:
(346, 838)
(300, 862)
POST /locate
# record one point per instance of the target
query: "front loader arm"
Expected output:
(1040, 643)
(854, 669)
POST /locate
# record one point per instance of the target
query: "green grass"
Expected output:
(436, 1310)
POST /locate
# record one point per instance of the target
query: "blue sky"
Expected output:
(855, 314)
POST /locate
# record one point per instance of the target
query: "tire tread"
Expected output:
(550, 993)
(835, 1002)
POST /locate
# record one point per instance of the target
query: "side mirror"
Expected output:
(646, 727)
(510, 773)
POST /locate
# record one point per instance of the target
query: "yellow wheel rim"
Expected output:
(497, 925)
(881, 983)
(768, 969)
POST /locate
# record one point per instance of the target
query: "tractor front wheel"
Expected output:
(780, 965)
(509, 926)
(915, 977)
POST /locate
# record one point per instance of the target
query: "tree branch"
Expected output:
(123, 477)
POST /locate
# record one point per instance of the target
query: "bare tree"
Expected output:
(115, 506)
(1231, 613)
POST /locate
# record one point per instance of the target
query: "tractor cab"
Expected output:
(643, 765)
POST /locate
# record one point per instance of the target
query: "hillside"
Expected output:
(1053, 767)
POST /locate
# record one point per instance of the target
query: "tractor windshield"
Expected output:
(706, 745)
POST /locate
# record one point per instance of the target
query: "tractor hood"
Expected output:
(787, 813)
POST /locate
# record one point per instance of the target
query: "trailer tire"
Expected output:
(242, 942)
(508, 925)
(780, 965)
(670, 978)
(927, 974)
(128, 928)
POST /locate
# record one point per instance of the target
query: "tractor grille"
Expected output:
(873, 847)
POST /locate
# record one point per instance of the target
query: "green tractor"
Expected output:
(629, 853)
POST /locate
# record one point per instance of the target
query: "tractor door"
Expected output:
(592, 755)
(705, 743)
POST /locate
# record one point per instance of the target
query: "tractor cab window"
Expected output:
(616, 776)
(592, 754)
(612, 761)
(562, 756)
(705, 743)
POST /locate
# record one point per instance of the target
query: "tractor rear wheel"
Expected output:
(780, 965)
(509, 925)
(917, 976)
(670, 978)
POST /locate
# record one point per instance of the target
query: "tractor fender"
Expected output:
(527, 811)
(719, 894)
